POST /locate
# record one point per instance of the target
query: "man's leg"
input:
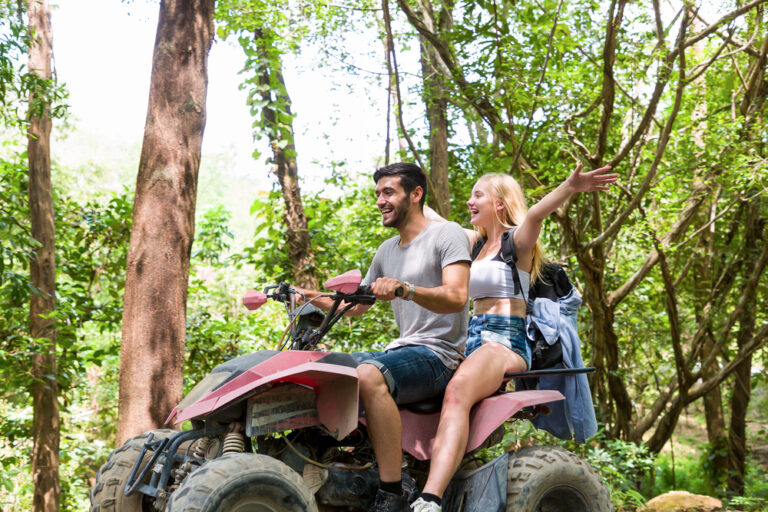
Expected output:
(402, 375)
(383, 420)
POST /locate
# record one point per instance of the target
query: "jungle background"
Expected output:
(670, 263)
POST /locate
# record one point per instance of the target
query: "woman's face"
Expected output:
(482, 206)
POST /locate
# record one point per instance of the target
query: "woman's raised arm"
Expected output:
(528, 232)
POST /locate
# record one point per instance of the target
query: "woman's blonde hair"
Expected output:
(505, 188)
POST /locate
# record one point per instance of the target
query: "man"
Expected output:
(430, 261)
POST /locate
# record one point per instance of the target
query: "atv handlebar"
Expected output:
(308, 324)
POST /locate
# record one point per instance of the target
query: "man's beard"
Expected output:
(397, 217)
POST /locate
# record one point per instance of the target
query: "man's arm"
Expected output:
(450, 297)
(325, 303)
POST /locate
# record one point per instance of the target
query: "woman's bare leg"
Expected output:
(478, 377)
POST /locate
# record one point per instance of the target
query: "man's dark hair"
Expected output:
(411, 176)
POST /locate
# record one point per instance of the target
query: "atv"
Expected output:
(281, 430)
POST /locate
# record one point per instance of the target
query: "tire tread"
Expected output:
(199, 487)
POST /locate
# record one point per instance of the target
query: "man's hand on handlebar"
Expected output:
(385, 288)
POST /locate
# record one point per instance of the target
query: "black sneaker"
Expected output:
(389, 502)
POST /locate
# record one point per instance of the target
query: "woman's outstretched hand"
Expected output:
(592, 180)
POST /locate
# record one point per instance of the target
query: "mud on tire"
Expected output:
(243, 482)
(550, 479)
(107, 494)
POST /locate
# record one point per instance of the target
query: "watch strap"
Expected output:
(411, 291)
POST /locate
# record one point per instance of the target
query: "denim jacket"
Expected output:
(574, 417)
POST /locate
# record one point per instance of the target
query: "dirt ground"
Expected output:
(691, 432)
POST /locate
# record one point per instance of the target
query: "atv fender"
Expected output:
(419, 429)
(335, 386)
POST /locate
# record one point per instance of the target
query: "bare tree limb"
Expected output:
(701, 388)
(478, 101)
(702, 68)
(537, 90)
(608, 91)
(740, 47)
(399, 110)
(708, 223)
(754, 78)
(748, 288)
(614, 227)
(723, 20)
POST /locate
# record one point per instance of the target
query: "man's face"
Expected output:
(392, 201)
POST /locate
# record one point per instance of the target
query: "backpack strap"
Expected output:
(479, 243)
(509, 256)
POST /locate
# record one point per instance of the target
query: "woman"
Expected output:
(496, 341)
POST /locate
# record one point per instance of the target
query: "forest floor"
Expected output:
(691, 433)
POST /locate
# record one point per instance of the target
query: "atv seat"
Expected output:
(434, 404)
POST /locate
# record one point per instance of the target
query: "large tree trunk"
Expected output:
(754, 239)
(42, 270)
(154, 315)
(279, 124)
(436, 103)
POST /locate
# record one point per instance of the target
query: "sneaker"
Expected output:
(389, 502)
(425, 506)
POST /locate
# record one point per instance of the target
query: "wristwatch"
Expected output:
(411, 291)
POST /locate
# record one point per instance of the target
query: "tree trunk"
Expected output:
(754, 239)
(279, 124)
(713, 401)
(436, 103)
(154, 315)
(615, 398)
(42, 270)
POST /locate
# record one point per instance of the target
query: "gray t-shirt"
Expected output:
(421, 262)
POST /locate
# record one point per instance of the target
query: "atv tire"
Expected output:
(551, 479)
(243, 482)
(107, 495)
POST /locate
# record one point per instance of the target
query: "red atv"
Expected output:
(280, 430)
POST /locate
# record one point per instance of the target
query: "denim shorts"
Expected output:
(413, 373)
(503, 329)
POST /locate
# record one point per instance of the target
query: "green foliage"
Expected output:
(622, 465)
(673, 473)
(17, 84)
(91, 247)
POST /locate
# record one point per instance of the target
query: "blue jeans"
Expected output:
(413, 373)
(503, 329)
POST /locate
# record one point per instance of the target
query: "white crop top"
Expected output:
(494, 279)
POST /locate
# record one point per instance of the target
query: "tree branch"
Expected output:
(608, 90)
(614, 227)
(725, 19)
(401, 123)
(447, 64)
(537, 91)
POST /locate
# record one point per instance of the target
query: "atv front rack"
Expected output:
(164, 451)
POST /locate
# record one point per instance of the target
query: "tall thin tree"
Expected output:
(154, 315)
(436, 102)
(42, 266)
(277, 120)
